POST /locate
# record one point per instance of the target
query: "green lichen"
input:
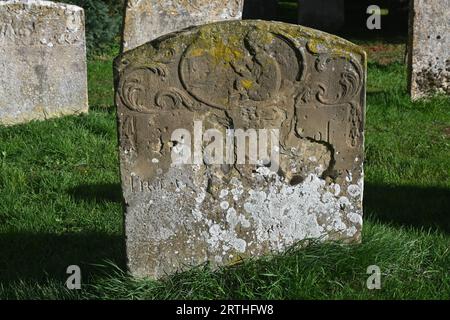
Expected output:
(222, 46)
(225, 41)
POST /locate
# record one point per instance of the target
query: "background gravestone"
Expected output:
(146, 20)
(429, 47)
(241, 75)
(42, 61)
(323, 15)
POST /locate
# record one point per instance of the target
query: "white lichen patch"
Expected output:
(351, 231)
(224, 205)
(223, 193)
(242, 217)
(237, 190)
(234, 219)
(218, 236)
(286, 214)
(355, 218)
(336, 189)
(354, 190)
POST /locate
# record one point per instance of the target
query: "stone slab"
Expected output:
(305, 87)
(43, 61)
(429, 48)
(146, 20)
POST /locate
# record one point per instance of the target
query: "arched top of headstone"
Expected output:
(193, 197)
(269, 61)
(42, 3)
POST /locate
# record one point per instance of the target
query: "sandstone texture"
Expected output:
(239, 75)
(146, 20)
(429, 48)
(42, 61)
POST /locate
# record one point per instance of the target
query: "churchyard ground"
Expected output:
(61, 205)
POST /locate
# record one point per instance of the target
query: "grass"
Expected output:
(60, 204)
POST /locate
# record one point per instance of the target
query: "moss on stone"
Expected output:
(224, 41)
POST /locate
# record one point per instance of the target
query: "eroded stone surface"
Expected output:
(429, 48)
(146, 20)
(43, 61)
(240, 75)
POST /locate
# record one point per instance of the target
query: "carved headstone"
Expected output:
(185, 105)
(429, 48)
(146, 20)
(323, 15)
(42, 61)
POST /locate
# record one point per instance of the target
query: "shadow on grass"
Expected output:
(108, 192)
(418, 207)
(38, 257)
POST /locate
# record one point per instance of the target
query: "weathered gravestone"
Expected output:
(324, 15)
(146, 20)
(42, 61)
(429, 47)
(190, 194)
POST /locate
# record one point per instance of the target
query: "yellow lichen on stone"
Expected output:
(246, 83)
(197, 52)
(221, 51)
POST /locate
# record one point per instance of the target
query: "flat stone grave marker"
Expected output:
(239, 139)
(146, 20)
(43, 61)
(429, 48)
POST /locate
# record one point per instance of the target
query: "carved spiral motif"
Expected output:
(133, 91)
(143, 90)
(173, 98)
(350, 82)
